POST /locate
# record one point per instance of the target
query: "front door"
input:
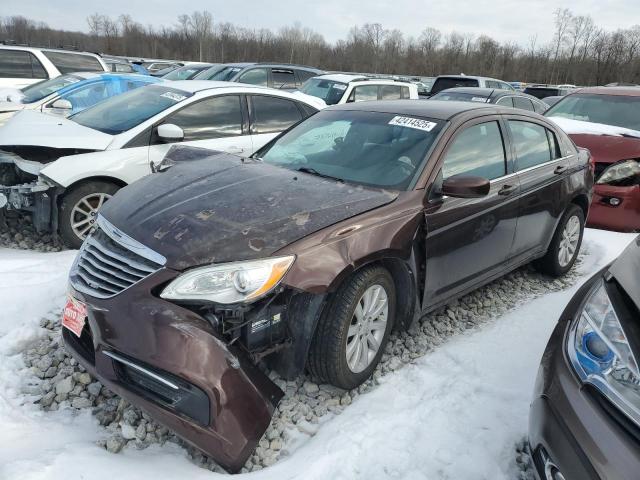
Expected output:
(468, 240)
(215, 123)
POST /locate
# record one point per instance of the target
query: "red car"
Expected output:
(606, 120)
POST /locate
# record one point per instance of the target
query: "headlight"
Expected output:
(620, 171)
(229, 282)
(601, 355)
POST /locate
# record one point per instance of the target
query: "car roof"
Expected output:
(342, 77)
(621, 91)
(46, 49)
(472, 77)
(436, 109)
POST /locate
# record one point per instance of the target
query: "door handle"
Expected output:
(507, 190)
(560, 169)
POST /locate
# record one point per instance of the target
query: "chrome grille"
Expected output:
(109, 262)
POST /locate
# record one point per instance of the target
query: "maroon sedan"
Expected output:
(606, 121)
(352, 223)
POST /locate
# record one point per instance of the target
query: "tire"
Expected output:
(327, 360)
(69, 215)
(551, 263)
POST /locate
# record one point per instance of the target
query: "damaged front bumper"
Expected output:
(170, 361)
(36, 197)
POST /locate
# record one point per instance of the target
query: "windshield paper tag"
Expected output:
(411, 122)
(176, 97)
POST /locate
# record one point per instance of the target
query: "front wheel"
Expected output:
(354, 328)
(79, 210)
(565, 245)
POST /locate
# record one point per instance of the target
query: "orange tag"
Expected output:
(74, 315)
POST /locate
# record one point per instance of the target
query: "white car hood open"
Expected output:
(30, 127)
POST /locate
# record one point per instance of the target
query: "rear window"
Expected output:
(460, 97)
(20, 64)
(443, 83)
(542, 92)
(73, 62)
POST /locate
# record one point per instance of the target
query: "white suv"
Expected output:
(22, 66)
(337, 88)
(62, 170)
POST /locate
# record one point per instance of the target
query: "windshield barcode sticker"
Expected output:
(411, 122)
(176, 97)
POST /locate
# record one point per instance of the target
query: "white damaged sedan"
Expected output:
(62, 170)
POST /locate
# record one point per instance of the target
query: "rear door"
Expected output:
(271, 115)
(542, 171)
(218, 123)
(469, 240)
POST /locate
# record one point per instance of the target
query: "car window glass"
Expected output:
(617, 110)
(90, 95)
(492, 84)
(283, 78)
(523, 103)
(38, 91)
(73, 62)
(212, 118)
(329, 91)
(477, 150)
(390, 92)
(405, 93)
(255, 76)
(304, 75)
(539, 107)
(272, 114)
(505, 102)
(20, 64)
(370, 148)
(504, 86)
(364, 93)
(123, 67)
(531, 144)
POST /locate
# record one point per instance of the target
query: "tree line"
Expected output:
(579, 53)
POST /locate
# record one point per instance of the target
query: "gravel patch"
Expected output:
(60, 382)
(19, 233)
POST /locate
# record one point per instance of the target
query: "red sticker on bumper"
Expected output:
(74, 315)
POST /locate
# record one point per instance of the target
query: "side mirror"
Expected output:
(62, 104)
(466, 186)
(170, 132)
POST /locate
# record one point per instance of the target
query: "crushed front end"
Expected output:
(193, 368)
(24, 191)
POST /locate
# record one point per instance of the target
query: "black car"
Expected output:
(584, 422)
(504, 98)
(275, 75)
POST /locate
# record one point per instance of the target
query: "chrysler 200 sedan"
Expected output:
(356, 221)
(585, 416)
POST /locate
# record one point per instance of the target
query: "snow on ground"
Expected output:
(455, 413)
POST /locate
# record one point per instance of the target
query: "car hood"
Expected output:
(607, 143)
(625, 270)
(223, 208)
(11, 106)
(30, 127)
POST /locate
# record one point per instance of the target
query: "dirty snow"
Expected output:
(456, 412)
(580, 127)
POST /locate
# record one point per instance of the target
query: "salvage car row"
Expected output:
(277, 234)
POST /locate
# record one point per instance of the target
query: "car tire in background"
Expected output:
(79, 210)
(565, 244)
(360, 315)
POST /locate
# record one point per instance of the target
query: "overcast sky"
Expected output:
(516, 20)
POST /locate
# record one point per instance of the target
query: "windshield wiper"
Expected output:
(313, 171)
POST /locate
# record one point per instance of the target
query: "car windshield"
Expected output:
(369, 148)
(328, 90)
(208, 73)
(460, 97)
(617, 110)
(123, 112)
(444, 83)
(37, 91)
(225, 74)
(184, 73)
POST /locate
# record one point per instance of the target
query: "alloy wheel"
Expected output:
(85, 212)
(367, 328)
(569, 241)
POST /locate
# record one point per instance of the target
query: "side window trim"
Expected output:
(546, 127)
